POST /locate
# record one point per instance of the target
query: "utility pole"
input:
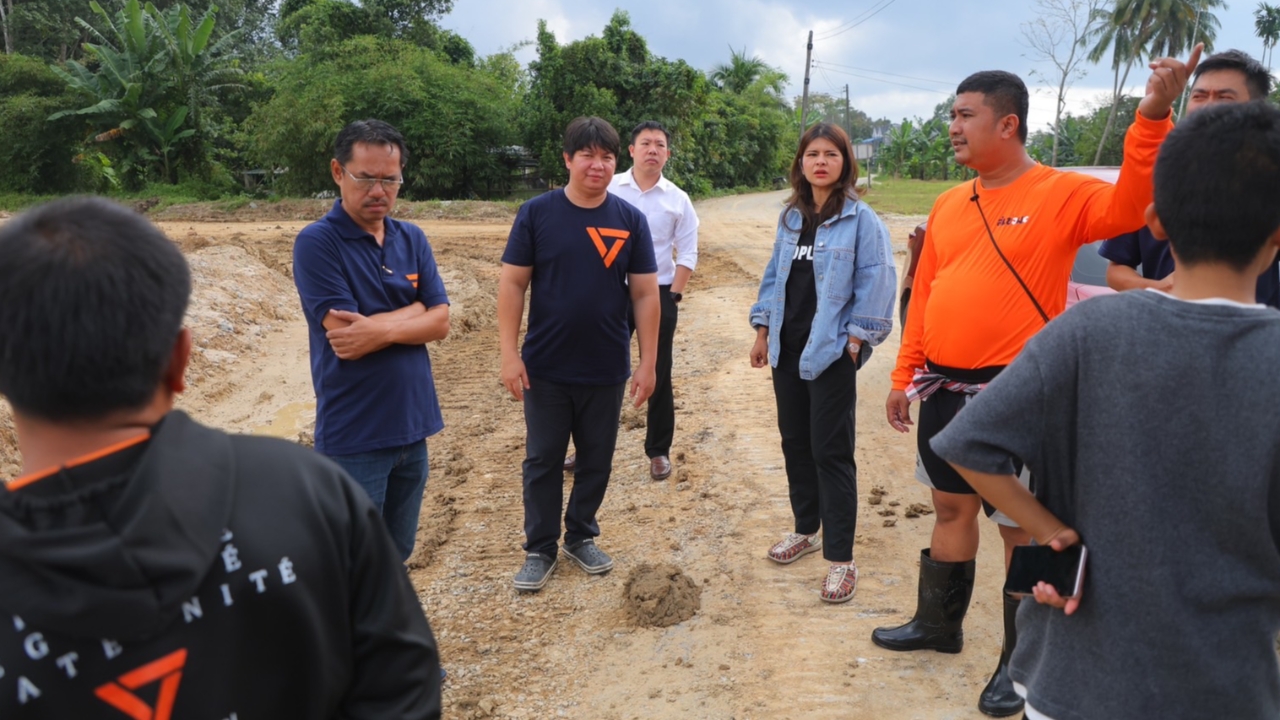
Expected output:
(804, 99)
(848, 127)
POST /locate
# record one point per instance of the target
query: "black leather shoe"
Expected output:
(998, 698)
(941, 603)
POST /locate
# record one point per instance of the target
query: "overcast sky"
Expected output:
(927, 45)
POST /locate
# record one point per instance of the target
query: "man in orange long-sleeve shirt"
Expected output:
(994, 270)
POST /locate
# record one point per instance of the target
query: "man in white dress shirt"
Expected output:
(674, 226)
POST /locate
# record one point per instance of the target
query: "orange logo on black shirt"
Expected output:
(167, 671)
(413, 279)
(608, 254)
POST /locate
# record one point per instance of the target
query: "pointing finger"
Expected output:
(1194, 59)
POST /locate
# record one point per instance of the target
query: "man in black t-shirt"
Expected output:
(582, 254)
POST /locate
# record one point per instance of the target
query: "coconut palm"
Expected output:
(1131, 29)
(1266, 23)
(742, 72)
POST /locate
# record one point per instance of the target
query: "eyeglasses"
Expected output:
(388, 184)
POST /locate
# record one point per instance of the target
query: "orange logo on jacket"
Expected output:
(167, 671)
(608, 254)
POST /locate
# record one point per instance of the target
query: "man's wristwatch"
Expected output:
(854, 348)
(676, 297)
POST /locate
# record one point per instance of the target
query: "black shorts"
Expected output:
(935, 413)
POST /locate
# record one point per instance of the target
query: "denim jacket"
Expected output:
(857, 284)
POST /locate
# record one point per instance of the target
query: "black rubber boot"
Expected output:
(941, 603)
(998, 698)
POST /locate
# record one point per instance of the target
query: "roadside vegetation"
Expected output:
(172, 102)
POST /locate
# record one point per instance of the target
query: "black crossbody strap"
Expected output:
(1043, 316)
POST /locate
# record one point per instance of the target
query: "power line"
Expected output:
(889, 82)
(948, 83)
(851, 23)
(830, 84)
(858, 20)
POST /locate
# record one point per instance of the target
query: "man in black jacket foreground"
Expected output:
(152, 567)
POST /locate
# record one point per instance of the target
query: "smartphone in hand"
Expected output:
(1032, 564)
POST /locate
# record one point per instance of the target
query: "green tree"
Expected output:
(41, 28)
(37, 154)
(1095, 143)
(1266, 24)
(1046, 146)
(614, 77)
(458, 122)
(738, 140)
(318, 26)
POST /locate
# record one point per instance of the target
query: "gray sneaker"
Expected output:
(589, 557)
(535, 573)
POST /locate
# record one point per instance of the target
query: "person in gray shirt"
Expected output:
(1149, 421)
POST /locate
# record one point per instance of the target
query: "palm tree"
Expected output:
(1266, 23)
(1133, 28)
(742, 72)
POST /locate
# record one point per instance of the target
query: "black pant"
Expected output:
(936, 412)
(660, 426)
(552, 412)
(816, 420)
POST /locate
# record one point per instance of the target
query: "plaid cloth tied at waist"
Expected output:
(926, 383)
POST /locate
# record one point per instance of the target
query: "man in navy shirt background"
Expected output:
(1228, 77)
(373, 298)
(583, 255)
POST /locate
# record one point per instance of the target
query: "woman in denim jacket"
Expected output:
(826, 297)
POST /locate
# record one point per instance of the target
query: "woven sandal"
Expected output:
(793, 547)
(841, 582)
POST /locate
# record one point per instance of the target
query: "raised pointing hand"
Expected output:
(1169, 77)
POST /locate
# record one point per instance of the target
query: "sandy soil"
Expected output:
(762, 644)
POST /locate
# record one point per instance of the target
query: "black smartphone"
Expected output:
(1032, 564)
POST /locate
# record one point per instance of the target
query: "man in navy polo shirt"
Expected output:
(1228, 77)
(584, 254)
(373, 298)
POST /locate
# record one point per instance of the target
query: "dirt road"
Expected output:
(762, 644)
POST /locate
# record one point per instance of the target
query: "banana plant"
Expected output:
(152, 73)
(165, 134)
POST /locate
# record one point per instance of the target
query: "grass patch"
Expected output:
(903, 196)
(14, 202)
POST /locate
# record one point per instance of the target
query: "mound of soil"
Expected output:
(661, 595)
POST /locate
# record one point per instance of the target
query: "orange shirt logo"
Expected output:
(167, 671)
(606, 253)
